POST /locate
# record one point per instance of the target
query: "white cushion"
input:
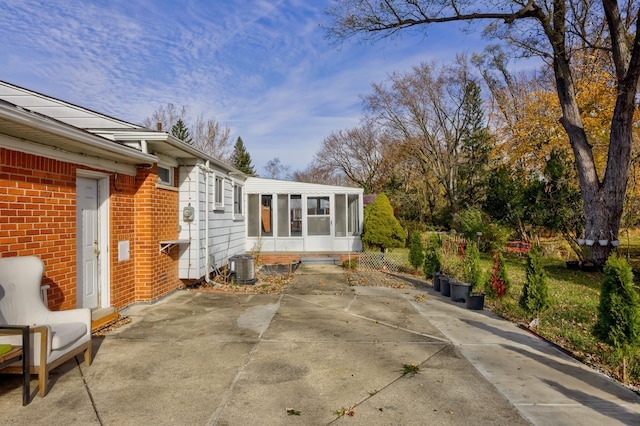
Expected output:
(65, 334)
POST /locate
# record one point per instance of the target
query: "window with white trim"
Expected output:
(219, 193)
(165, 175)
(237, 200)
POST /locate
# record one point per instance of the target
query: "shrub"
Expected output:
(494, 237)
(416, 251)
(451, 261)
(618, 322)
(350, 263)
(499, 283)
(535, 294)
(471, 266)
(432, 261)
(381, 229)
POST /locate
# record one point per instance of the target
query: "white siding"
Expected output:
(215, 235)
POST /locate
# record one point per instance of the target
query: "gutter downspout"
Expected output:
(209, 266)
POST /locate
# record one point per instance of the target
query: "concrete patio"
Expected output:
(321, 353)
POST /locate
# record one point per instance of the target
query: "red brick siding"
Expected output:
(122, 217)
(38, 217)
(156, 220)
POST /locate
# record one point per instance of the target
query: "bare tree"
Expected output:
(358, 153)
(550, 29)
(426, 108)
(322, 175)
(276, 170)
(212, 138)
(207, 135)
(165, 117)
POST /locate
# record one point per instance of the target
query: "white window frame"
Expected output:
(237, 200)
(170, 171)
(218, 193)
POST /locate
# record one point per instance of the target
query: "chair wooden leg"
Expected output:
(43, 368)
(87, 354)
(43, 379)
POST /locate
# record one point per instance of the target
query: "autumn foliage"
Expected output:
(499, 283)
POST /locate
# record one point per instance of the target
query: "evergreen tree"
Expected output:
(471, 265)
(381, 229)
(554, 202)
(416, 251)
(505, 201)
(180, 131)
(475, 148)
(535, 294)
(618, 321)
(432, 261)
(241, 160)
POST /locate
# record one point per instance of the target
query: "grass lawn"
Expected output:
(568, 322)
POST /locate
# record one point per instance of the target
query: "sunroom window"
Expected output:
(318, 216)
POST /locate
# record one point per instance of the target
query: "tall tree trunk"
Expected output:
(603, 199)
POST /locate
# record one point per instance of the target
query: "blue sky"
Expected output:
(261, 67)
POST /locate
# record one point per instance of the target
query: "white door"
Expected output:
(319, 231)
(87, 242)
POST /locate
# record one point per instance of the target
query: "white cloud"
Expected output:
(261, 67)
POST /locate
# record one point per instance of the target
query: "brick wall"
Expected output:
(122, 217)
(156, 220)
(38, 217)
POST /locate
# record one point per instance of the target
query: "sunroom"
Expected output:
(304, 218)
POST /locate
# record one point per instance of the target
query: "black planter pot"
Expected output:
(445, 288)
(436, 281)
(475, 302)
(459, 291)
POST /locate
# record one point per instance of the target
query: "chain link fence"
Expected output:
(389, 261)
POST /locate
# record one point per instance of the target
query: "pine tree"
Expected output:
(475, 148)
(416, 250)
(180, 131)
(241, 159)
(618, 321)
(381, 229)
(535, 294)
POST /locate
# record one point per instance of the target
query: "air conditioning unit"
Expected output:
(242, 268)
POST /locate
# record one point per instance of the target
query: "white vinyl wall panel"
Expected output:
(216, 234)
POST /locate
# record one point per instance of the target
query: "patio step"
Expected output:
(104, 321)
(327, 260)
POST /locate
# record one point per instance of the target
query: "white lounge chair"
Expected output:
(56, 336)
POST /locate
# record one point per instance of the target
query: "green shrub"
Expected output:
(350, 263)
(381, 229)
(432, 261)
(416, 251)
(494, 236)
(618, 321)
(535, 293)
(471, 266)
